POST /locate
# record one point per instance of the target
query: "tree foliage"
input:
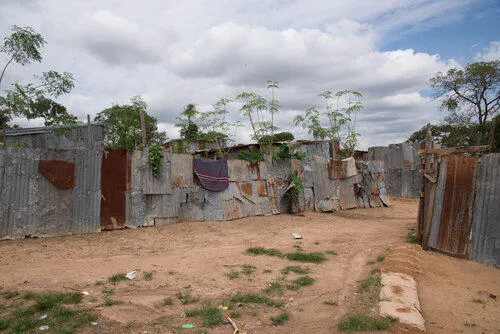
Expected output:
(253, 103)
(474, 90)
(122, 125)
(339, 115)
(187, 123)
(33, 100)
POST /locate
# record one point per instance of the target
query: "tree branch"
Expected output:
(5, 67)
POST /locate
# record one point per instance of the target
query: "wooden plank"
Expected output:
(455, 150)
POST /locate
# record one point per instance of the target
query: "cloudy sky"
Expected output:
(177, 52)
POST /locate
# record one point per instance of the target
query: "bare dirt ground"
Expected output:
(197, 256)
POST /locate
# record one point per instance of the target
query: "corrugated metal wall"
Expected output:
(401, 163)
(32, 205)
(485, 245)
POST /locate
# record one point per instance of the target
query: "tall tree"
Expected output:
(122, 125)
(474, 90)
(274, 105)
(32, 100)
(187, 123)
(253, 103)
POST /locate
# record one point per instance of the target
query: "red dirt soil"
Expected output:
(199, 255)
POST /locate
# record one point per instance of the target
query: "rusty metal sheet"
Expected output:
(347, 197)
(455, 218)
(262, 188)
(335, 170)
(113, 189)
(485, 245)
(60, 173)
(245, 188)
(233, 209)
(240, 170)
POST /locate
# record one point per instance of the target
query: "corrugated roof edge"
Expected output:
(43, 129)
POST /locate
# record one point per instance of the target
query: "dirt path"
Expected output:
(199, 255)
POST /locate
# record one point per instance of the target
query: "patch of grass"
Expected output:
(254, 313)
(47, 300)
(316, 242)
(108, 292)
(330, 303)
(412, 238)
(267, 271)
(364, 322)
(99, 283)
(211, 316)
(117, 277)
(294, 269)
(279, 319)
(59, 318)
(111, 302)
(298, 248)
(256, 298)
(274, 287)
(233, 274)
(234, 314)
(171, 272)
(186, 298)
(167, 302)
(300, 282)
(264, 251)
(331, 252)
(10, 294)
(479, 301)
(147, 275)
(375, 271)
(314, 257)
(248, 269)
(372, 281)
(380, 258)
(469, 324)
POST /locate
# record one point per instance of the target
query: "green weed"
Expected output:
(300, 282)
(248, 269)
(147, 275)
(314, 257)
(364, 322)
(264, 251)
(331, 252)
(279, 319)
(372, 281)
(294, 269)
(167, 302)
(330, 303)
(186, 298)
(235, 314)
(111, 302)
(211, 316)
(117, 277)
(233, 274)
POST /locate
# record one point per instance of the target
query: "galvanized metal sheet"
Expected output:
(31, 205)
(181, 170)
(347, 197)
(485, 247)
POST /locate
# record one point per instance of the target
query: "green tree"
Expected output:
(187, 123)
(215, 126)
(253, 103)
(274, 105)
(474, 90)
(340, 117)
(122, 125)
(32, 100)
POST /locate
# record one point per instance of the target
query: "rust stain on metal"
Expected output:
(335, 169)
(246, 188)
(114, 182)
(272, 194)
(60, 173)
(407, 163)
(261, 188)
(176, 182)
(456, 214)
(255, 168)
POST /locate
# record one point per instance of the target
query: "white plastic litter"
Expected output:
(43, 328)
(131, 275)
(85, 293)
(296, 236)
(43, 317)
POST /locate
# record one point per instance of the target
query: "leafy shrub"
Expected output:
(253, 155)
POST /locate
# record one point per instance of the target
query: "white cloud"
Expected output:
(173, 53)
(489, 53)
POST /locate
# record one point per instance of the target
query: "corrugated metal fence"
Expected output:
(460, 205)
(52, 203)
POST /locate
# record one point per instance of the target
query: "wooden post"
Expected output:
(143, 129)
(89, 133)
